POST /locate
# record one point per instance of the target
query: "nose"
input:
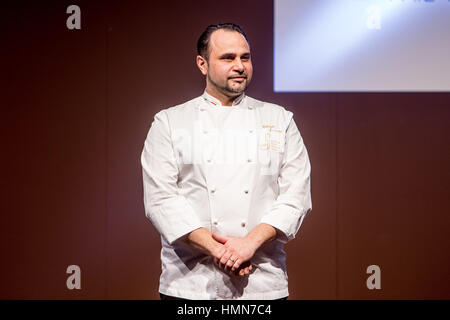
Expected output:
(238, 66)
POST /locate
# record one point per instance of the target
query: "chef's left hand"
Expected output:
(238, 251)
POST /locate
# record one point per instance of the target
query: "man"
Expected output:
(226, 182)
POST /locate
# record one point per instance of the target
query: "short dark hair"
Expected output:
(203, 41)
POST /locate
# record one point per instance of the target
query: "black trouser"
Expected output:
(165, 297)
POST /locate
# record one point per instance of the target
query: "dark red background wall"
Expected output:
(76, 106)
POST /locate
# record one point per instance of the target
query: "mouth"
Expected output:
(239, 78)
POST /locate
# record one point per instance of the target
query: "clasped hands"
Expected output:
(230, 254)
(233, 256)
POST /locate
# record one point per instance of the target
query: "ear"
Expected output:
(202, 64)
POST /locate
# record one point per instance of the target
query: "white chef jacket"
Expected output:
(226, 169)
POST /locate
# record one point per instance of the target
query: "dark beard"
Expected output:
(228, 89)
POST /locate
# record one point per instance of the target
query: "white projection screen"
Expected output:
(362, 45)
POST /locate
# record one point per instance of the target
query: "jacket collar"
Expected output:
(215, 102)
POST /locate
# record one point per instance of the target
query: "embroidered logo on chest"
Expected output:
(271, 138)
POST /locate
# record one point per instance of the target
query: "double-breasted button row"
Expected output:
(243, 223)
(248, 160)
(206, 131)
(213, 190)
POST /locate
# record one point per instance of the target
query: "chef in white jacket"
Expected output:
(226, 182)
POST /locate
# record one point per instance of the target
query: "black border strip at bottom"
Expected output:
(243, 309)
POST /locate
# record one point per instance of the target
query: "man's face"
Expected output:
(229, 68)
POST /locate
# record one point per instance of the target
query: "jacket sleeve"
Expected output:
(170, 212)
(294, 200)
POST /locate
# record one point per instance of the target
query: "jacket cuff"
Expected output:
(171, 222)
(286, 219)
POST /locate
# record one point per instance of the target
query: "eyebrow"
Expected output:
(232, 55)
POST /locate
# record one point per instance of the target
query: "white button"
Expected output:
(205, 131)
(209, 160)
(213, 190)
(215, 222)
(243, 224)
(251, 130)
(250, 107)
(249, 160)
